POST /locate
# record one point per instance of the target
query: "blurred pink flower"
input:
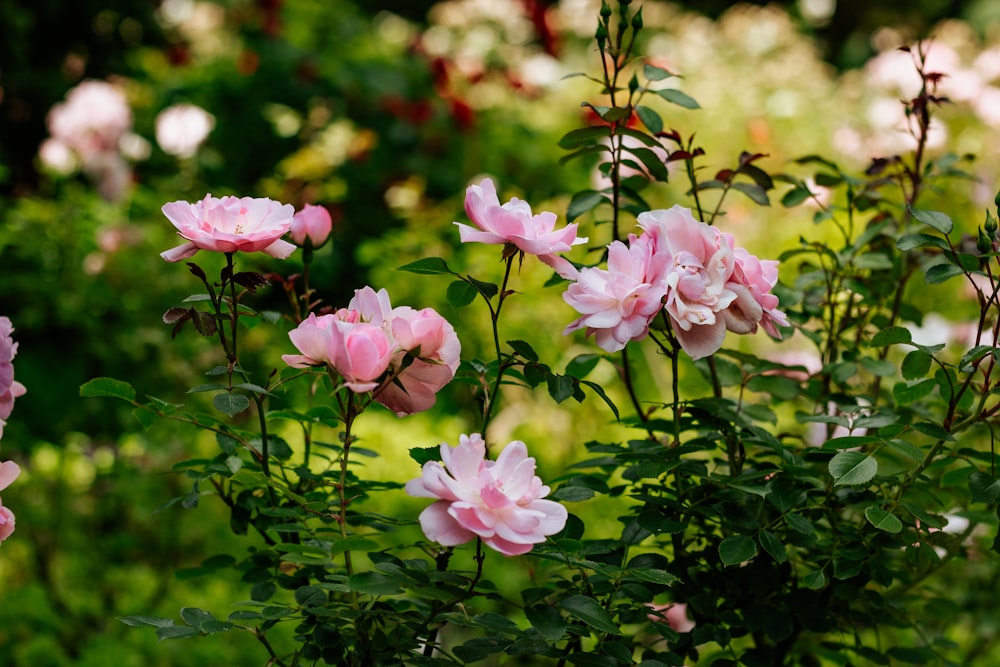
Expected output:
(701, 262)
(92, 119)
(313, 223)
(513, 222)
(9, 387)
(674, 614)
(619, 303)
(230, 224)
(500, 501)
(8, 473)
(182, 128)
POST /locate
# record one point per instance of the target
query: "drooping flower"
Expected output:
(230, 224)
(8, 473)
(313, 223)
(500, 501)
(618, 304)
(9, 387)
(514, 223)
(182, 128)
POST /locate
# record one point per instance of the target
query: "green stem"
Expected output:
(491, 398)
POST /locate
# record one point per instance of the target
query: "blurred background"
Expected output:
(383, 112)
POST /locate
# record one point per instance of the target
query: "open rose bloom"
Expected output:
(502, 502)
(230, 224)
(703, 284)
(404, 356)
(9, 387)
(8, 473)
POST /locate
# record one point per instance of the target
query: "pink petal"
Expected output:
(180, 252)
(439, 526)
(8, 473)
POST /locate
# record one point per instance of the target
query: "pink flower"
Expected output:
(313, 223)
(8, 473)
(427, 360)
(752, 280)
(182, 128)
(619, 303)
(9, 387)
(92, 120)
(500, 501)
(701, 262)
(674, 614)
(513, 223)
(230, 224)
(359, 352)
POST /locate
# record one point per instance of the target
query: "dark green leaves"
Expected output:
(737, 549)
(852, 468)
(108, 387)
(589, 611)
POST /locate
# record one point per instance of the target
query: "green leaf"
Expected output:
(523, 349)
(677, 97)
(461, 293)
(883, 519)
(153, 621)
(581, 365)
(911, 241)
(814, 580)
(176, 632)
(873, 261)
(773, 546)
(916, 364)
(654, 73)
(583, 136)
(560, 387)
(547, 621)
(904, 393)
(588, 610)
(795, 196)
(650, 119)
(424, 454)
(737, 549)
(230, 404)
(427, 266)
(984, 488)
(582, 202)
(373, 583)
(939, 273)
(108, 387)
(891, 336)
(852, 468)
(754, 192)
(935, 219)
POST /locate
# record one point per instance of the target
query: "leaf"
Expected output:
(904, 393)
(814, 580)
(937, 274)
(230, 404)
(654, 73)
(984, 488)
(649, 118)
(424, 454)
(581, 365)
(891, 336)
(916, 364)
(754, 192)
(560, 387)
(852, 468)
(176, 632)
(547, 621)
(590, 612)
(154, 621)
(523, 349)
(582, 202)
(773, 546)
(883, 519)
(583, 136)
(677, 97)
(795, 196)
(737, 549)
(427, 266)
(461, 293)
(108, 387)
(935, 219)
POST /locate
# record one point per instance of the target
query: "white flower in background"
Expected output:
(182, 128)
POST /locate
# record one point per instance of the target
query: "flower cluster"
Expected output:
(8, 473)
(9, 387)
(686, 269)
(404, 356)
(91, 129)
(230, 224)
(501, 501)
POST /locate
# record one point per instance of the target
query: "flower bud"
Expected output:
(983, 243)
(601, 35)
(605, 11)
(313, 223)
(990, 225)
(637, 20)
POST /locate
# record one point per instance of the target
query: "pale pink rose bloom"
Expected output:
(92, 119)
(513, 222)
(58, 157)
(358, 351)
(8, 473)
(182, 128)
(230, 224)
(618, 304)
(500, 501)
(701, 262)
(752, 280)
(426, 335)
(311, 338)
(9, 387)
(674, 614)
(313, 223)
(372, 306)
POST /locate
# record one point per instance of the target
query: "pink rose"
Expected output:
(500, 501)
(359, 352)
(433, 347)
(92, 120)
(754, 278)
(674, 614)
(230, 224)
(619, 303)
(8, 473)
(313, 223)
(9, 387)
(701, 262)
(513, 223)
(182, 128)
